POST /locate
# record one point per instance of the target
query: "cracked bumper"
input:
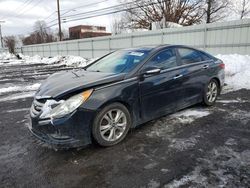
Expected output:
(67, 132)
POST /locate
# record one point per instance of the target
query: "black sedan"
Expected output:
(120, 91)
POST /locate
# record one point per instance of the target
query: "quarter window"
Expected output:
(205, 57)
(164, 60)
(189, 56)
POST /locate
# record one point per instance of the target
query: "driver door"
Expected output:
(161, 92)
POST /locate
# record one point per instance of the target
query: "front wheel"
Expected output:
(111, 124)
(211, 93)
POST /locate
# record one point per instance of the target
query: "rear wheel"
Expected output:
(211, 93)
(111, 125)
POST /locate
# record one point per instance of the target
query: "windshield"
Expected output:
(119, 61)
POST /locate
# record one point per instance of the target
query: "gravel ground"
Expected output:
(197, 147)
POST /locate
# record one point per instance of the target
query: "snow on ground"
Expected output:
(237, 71)
(6, 56)
(75, 61)
(16, 96)
(163, 128)
(32, 87)
(188, 116)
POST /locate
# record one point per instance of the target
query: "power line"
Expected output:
(72, 9)
(49, 15)
(24, 4)
(23, 8)
(101, 13)
(23, 12)
(87, 5)
(111, 10)
(103, 9)
(19, 7)
(115, 7)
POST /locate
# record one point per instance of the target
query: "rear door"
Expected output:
(160, 93)
(196, 66)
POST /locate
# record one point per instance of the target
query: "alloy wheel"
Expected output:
(212, 92)
(113, 125)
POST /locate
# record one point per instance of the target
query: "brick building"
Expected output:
(87, 31)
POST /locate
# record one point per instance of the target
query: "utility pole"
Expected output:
(1, 37)
(59, 20)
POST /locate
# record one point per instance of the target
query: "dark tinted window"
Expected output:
(189, 56)
(165, 59)
(205, 57)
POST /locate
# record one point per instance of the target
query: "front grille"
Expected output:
(36, 108)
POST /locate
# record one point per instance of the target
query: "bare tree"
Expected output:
(42, 34)
(117, 26)
(241, 8)
(215, 10)
(140, 14)
(10, 43)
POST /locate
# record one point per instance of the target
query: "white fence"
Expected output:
(216, 38)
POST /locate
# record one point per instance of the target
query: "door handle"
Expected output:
(178, 76)
(205, 66)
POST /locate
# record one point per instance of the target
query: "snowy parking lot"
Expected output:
(196, 147)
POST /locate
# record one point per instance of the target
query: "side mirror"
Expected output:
(151, 70)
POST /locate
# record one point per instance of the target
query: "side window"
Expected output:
(189, 56)
(164, 60)
(205, 57)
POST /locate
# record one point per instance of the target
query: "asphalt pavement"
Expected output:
(197, 147)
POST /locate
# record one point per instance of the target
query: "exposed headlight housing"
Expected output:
(68, 106)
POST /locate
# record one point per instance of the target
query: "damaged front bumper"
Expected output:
(67, 132)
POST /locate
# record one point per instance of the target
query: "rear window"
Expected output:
(205, 56)
(189, 55)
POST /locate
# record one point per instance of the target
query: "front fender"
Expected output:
(125, 92)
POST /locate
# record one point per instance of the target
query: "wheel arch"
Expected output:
(218, 81)
(126, 104)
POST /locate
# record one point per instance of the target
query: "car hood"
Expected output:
(65, 82)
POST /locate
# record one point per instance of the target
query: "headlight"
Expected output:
(68, 106)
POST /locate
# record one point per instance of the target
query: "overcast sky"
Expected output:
(19, 16)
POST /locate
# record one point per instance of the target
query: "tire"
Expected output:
(111, 124)
(211, 93)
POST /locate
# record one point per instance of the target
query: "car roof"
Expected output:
(156, 47)
(141, 48)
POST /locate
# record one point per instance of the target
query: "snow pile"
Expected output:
(7, 56)
(173, 25)
(73, 61)
(39, 60)
(237, 71)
